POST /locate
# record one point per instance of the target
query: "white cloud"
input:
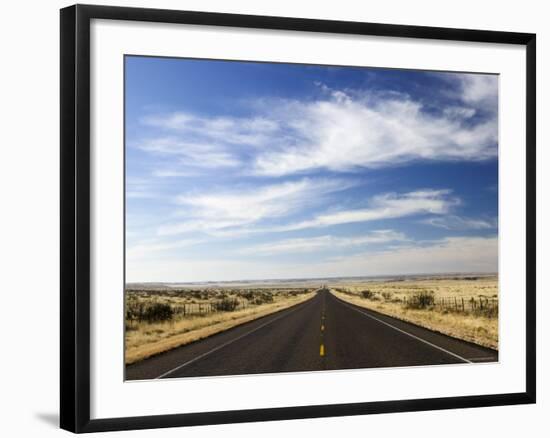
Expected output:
(246, 130)
(343, 134)
(172, 173)
(140, 188)
(452, 254)
(212, 212)
(154, 246)
(239, 213)
(140, 194)
(459, 112)
(458, 254)
(385, 206)
(310, 244)
(192, 154)
(480, 90)
(342, 131)
(453, 222)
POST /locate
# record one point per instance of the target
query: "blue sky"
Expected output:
(240, 170)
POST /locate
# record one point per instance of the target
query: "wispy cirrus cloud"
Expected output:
(243, 174)
(385, 206)
(169, 172)
(191, 154)
(340, 131)
(453, 222)
(153, 247)
(480, 90)
(456, 254)
(140, 188)
(232, 214)
(326, 242)
(253, 131)
(449, 254)
(216, 211)
(348, 132)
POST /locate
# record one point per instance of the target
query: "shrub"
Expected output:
(199, 294)
(157, 312)
(387, 295)
(249, 295)
(133, 309)
(226, 305)
(265, 297)
(368, 294)
(151, 312)
(421, 300)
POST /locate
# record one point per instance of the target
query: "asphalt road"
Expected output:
(323, 333)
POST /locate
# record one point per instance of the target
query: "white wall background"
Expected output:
(29, 248)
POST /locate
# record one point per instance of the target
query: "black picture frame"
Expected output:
(75, 217)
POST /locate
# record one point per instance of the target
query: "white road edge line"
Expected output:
(219, 347)
(406, 333)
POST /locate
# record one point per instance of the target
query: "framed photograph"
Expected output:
(269, 218)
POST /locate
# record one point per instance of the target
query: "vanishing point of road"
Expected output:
(323, 333)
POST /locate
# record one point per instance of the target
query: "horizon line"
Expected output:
(317, 278)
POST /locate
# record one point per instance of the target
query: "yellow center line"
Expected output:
(322, 347)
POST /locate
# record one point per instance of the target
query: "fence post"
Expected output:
(463, 304)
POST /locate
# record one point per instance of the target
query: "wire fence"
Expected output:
(464, 304)
(139, 311)
(229, 305)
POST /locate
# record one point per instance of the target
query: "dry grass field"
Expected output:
(464, 307)
(160, 319)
